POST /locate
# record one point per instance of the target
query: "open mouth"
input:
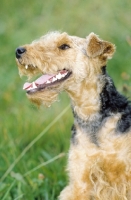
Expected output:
(46, 81)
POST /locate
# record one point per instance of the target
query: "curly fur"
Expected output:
(99, 160)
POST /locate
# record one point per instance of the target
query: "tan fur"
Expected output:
(46, 56)
(104, 168)
(95, 172)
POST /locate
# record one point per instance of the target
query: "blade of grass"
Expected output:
(33, 142)
(19, 197)
(45, 163)
(5, 196)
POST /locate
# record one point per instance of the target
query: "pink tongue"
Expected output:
(43, 79)
(39, 81)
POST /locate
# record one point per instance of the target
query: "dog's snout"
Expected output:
(19, 52)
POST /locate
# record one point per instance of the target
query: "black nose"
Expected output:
(19, 51)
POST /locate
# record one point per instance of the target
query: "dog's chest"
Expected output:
(89, 162)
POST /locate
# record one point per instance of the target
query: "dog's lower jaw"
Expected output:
(46, 98)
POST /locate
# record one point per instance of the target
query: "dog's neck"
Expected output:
(94, 102)
(86, 106)
(85, 97)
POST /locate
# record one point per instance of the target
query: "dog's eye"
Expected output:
(64, 47)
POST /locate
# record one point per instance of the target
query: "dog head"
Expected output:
(61, 62)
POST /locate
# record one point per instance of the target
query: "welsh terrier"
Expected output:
(99, 161)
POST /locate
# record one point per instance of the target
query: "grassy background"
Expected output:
(21, 122)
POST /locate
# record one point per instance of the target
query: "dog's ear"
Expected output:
(97, 47)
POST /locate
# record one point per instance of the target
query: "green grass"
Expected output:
(29, 166)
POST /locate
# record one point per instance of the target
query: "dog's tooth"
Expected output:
(29, 88)
(59, 76)
(54, 79)
(48, 81)
(26, 66)
(34, 85)
(51, 80)
(63, 75)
